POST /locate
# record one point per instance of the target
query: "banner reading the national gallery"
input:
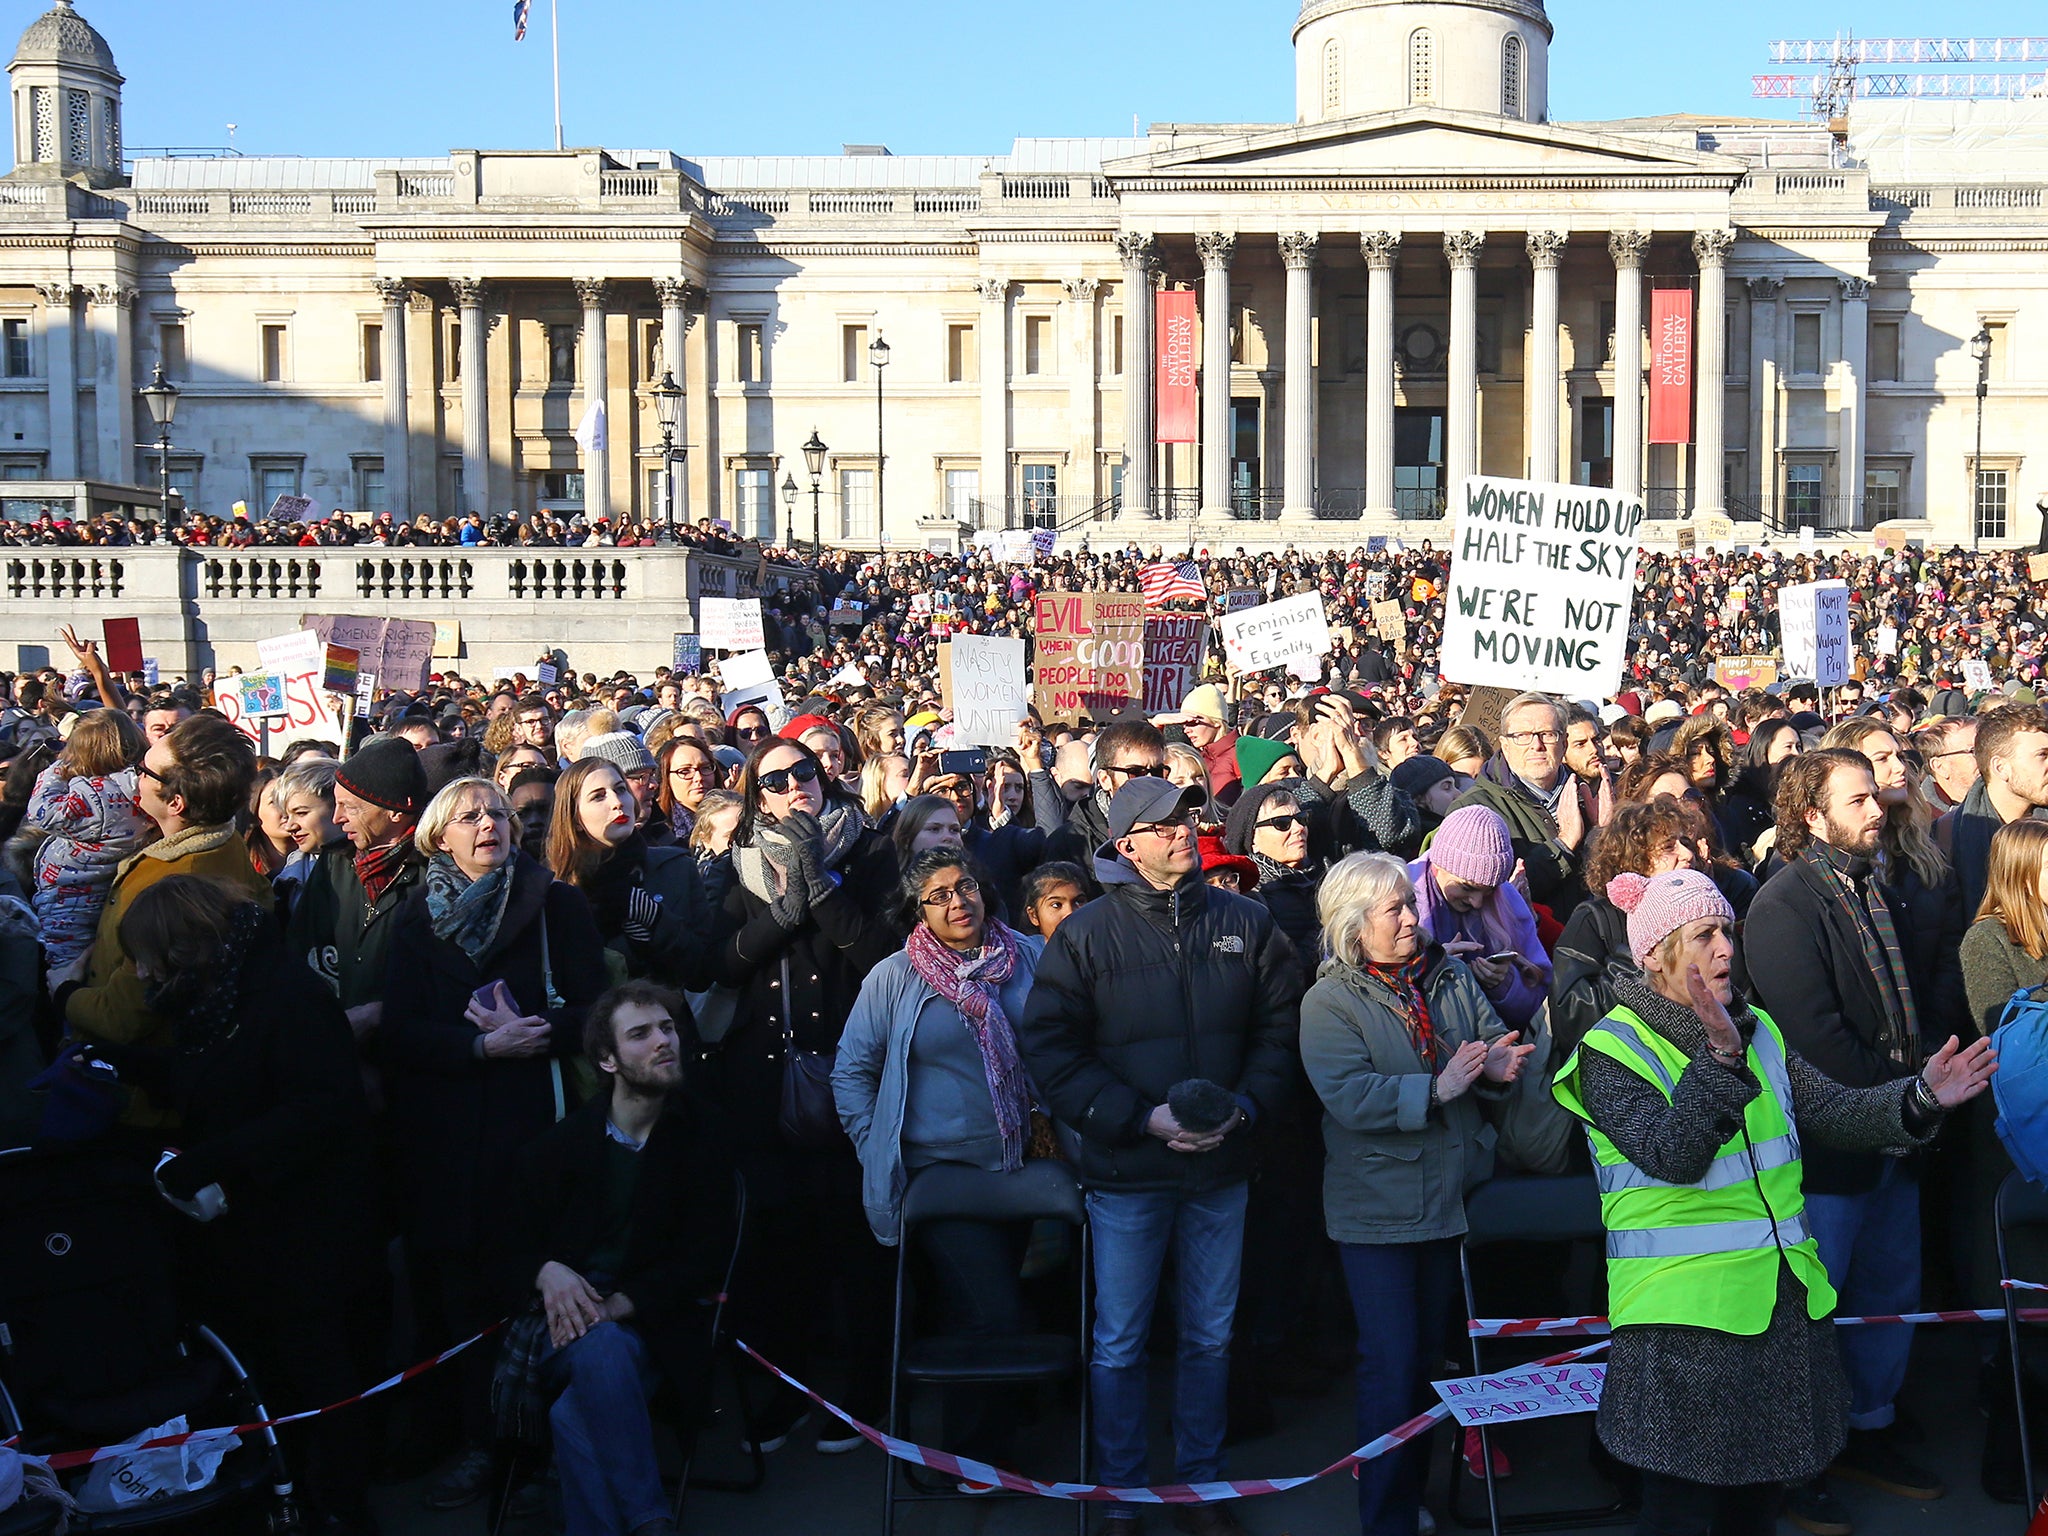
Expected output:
(1671, 365)
(1177, 409)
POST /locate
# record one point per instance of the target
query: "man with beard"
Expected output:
(627, 1230)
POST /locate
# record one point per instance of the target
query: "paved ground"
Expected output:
(812, 1495)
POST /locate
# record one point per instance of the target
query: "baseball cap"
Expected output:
(1146, 800)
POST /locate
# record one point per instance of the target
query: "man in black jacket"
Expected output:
(1165, 983)
(1826, 961)
(628, 1232)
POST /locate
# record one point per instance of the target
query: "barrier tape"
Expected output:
(1572, 1327)
(962, 1468)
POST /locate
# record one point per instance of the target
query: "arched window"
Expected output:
(1421, 66)
(1333, 78)
(1511, 76)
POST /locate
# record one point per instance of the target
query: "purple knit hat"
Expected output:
(1659, 904)
(1472, 845)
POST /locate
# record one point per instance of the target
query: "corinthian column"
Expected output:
(1298, 460)
(1216, 249)
(1137, 253)
(1627, 247)
(1461, 417)
(397, 424)
(1856, 369)
(476, 425)
(1381, 249)
(62, 348)
(114, 382)
(597, 461)
(1546, 249)
(1710, 372)
(995, 398)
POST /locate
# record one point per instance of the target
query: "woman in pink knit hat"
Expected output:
(1466, 900)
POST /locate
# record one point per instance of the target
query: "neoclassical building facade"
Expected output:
(1420, 277)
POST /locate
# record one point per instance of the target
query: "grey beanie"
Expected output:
(622, 749)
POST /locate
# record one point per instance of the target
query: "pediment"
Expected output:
(1422, 141)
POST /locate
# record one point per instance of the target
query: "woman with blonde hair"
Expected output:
(1466, 748)
(884, 780)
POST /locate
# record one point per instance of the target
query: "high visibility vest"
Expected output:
(1703, 1254)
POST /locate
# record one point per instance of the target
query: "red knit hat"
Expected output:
(1215, 856)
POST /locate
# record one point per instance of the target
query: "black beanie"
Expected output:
(386, 772)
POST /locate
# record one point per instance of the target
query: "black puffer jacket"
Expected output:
(1143, 989)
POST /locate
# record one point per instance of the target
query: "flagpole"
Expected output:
(555, 16)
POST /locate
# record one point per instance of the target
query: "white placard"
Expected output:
(1976, 673)
(990, 690)
(749, 669)
(730, 623)
(1292, 633)
(1887, 640)
(1532, 1392)
(1541, 585)
(851, 675)
(1813, 623)
(300, 651)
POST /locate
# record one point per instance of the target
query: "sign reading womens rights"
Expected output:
(1541, 585)
(1813, 623)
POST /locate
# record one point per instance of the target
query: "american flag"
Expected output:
(1163, 582)
(520, 8)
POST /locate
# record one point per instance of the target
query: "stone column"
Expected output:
(1381, 249)
(61, 369)
(597, 462)
(1763, 390)
(114, 380)
(680, 301)
(397, 422)
(995, 398)
(1461, 417)
(1627, 247)
(1856, 372)
(1216, 249)
(1298, 412)
(476, 424)
(1546, 249)
(1081, 414)
(1137, 252)
(1710, 373)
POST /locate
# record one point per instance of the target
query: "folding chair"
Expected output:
(1040, 1190)
(2021, 1203)
(1526, 1208)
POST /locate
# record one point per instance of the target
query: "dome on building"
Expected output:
(1358, 56)
(61, 36)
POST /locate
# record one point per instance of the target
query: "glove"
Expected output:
(642, 908)
(793, 905)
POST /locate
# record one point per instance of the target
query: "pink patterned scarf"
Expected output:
(972, 984)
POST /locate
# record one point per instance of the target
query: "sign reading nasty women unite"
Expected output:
(1542, 581)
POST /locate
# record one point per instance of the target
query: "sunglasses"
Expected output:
(777, 781)
(1284, 823)
(1158, 771)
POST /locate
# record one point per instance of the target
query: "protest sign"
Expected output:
(448, 637)
(687, 658)
(1737, 673)
(983, 681)
(1175, 644)
(299, 651)
(1237, 599)
(1688, 541)
(1976, 673)
(1090, 657)
(1291, 633)
(1887, 640)
(366, 690)
(1541, 583)
(545, 674)
(1530, 1392)
(342, 668)
(258, 695)
(1389, 622)
(123, 639)
(400, 651)
(730, 623)
(848, 613)
(1813, 623)
(291, 509)
(151, 675)
(748, 678)
(2037, 567)
(1043, 541)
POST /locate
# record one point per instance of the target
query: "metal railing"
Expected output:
(1663, 502)
(1420, 503)
(1255, 504)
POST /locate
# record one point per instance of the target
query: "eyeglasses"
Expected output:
(967, 888)
(1548, 738)
(751, 732)
(478, 817)
(778, 780)
(1171, 828)
(1135, 771)
(691, 771)
(1284, 823)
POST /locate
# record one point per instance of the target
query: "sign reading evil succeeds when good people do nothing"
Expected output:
(1541, 584)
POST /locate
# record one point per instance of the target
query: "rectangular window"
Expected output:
(1038, 343)
(1991, 490)
(1116, 485)
(1116, 347)
(753, 498)
(561, 354)
(853, 353)
(19, 363)
(962, 364)
(274, 358)
(1803, 493)
(1806, 344)
(857, 505)
(369, 486)
(752, 361)
(963, 490)
(1996, 329)
(1041, 487)
(560, 488)
(1884, 350)
(170, 348)
(273, 478)
(373, 353)
(1881, 488)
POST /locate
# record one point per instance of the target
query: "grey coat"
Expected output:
(1993, 969)
(1396, 1171)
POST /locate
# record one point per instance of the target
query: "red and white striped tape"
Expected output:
(1171, 1493)
(1574, 1327)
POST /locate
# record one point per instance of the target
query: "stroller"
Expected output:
(93, 1350)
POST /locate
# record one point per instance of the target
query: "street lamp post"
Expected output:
(814, 461)
(878, 357)
(668, 406)
(1980, 349)
(161, 396)
(789, 510)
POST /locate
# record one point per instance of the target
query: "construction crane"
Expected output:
(1849, 69)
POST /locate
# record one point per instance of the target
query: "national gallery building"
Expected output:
(1422, 275)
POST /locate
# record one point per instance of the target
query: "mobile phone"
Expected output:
(969, 760)
(1504, 955)
(495, 997)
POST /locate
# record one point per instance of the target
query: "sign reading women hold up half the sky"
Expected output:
(1542, 580)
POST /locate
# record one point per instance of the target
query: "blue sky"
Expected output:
(380, 77)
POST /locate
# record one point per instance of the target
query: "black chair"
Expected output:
(2021, 1203)
(1525, 1208)
(1040, 1190)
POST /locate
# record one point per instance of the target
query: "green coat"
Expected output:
(340, 934)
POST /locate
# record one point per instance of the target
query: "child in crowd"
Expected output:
(1051, 894)
(84, 804)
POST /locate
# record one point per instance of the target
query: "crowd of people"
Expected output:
(504, 994)
(240, 530)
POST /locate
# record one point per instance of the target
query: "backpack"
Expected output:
(2020, 1085)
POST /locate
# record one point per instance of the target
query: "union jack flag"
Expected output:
(1162, 583)
(520, 8)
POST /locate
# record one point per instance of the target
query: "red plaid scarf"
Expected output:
(378, 867)
(1405, 982)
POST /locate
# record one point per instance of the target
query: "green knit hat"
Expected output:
(1256, 756)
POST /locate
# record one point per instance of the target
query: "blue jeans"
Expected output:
(1402, 1295)
(1130, 1231)
(604, 1438)
(1870, 1244)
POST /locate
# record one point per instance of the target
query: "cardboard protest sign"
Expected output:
(1175, 644)
(730, 623)
(1541, 584)
(983, 681)
(123, 639)
(1813, 623)
(448, 637)
(1976, 673)
(1483, 706)
(291, 509)
(400, 651)
(687, 659)
(1237, 599)
(1737, 673)
(1090, 656)
(2037, 567)
(1390, 622)
(258, 695)
(848, 613)
(1528, 1392)
(1688, 541)
(1292, 633)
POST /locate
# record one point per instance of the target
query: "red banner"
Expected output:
(1671, 365)
(1177, 363)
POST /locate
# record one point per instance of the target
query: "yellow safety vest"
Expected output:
(1703, 1254)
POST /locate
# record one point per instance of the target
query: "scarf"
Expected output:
(615, 877)
(1854, 887)
(463, 911)
(1405, 982)
(1677, 1022)
(377, 868)
(843, 824)
(684, 820)
(200, 1001)
(1503, 921)
(972, 984)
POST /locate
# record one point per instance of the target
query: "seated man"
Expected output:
(628, 1230)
